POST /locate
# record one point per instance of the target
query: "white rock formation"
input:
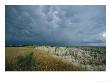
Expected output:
(84, 56)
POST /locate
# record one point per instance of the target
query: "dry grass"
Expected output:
(40, 61)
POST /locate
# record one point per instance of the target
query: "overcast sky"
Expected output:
(56, 25)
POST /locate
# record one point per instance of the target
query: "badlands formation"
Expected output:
(92, 58)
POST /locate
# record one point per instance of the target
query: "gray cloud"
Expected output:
(67, 25)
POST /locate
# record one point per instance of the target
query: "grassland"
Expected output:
(31, 59)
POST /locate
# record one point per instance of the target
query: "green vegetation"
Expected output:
(25, 62)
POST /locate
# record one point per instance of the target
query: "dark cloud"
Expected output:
(65, 25)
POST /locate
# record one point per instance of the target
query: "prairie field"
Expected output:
(47, 58)
(31, 59)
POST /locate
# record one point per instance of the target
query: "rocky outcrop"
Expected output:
(92, 58)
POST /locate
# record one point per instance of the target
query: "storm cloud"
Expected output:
(56, 25)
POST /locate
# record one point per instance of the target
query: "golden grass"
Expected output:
(43, 61)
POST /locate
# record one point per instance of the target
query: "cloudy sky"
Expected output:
(56, 25)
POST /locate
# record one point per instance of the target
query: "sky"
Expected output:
(73, 25)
